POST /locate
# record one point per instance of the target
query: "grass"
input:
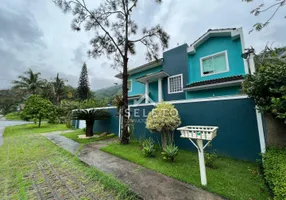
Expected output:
(29, 129)
(13, 116)
(74, 136)
(32, 166)
(233, 179)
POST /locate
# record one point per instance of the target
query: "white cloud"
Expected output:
(46, 43)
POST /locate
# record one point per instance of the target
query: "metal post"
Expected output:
(202, 162)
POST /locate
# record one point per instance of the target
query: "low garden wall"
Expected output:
(238, 133)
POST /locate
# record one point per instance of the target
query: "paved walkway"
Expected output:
(146, 183)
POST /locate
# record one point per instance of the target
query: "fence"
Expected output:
(240, 133)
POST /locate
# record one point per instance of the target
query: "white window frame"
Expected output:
(213, 55)
(129, 89)
(169, 92)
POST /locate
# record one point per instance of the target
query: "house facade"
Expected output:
(211, 66)
(203, 82)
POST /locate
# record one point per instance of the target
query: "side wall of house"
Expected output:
(139, 88)
(175, 62)
(212, 46)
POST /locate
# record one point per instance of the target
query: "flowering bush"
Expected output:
(164, 119)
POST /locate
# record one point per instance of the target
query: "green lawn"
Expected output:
(13, 116)
(28, 129)
(74, 136)
(32, 167)
(232, 179)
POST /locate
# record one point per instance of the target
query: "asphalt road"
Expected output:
(4, 123)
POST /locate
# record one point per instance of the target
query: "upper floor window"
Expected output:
(175, 84)
(129, 85)
(214, 64)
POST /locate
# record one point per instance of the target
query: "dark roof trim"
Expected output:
(144, 67)
(138, 96)
(215, 83)
(152, 76)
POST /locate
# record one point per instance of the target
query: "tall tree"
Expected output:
(29, 82)
(47, 91)
(59, 88)
(113, 28)
(83, 84)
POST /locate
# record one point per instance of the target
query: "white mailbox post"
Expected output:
(199, 133)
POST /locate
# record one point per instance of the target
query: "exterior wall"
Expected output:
(139, 88)
(235, 90)
(275, 131)
(110, 125)
(212, 46)
(153, 90)
(175, 62)
(237, 137)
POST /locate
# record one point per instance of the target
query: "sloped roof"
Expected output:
(215, 81)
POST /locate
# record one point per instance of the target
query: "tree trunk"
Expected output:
(40, 120)
(125, 136)
(89, 128)
(164, 140)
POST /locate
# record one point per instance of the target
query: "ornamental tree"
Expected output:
(37, 108)
(83, 89)
(90, 116)
(114, 30)
(164, 119)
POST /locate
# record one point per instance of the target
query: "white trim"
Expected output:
(232, 97)
(242, 50)
(146, 92)
(119, 125)
(216, 33)
(260, 131)
(214, 55)
(182, 85)
(129, 90)
(216, 85)
(160, 90)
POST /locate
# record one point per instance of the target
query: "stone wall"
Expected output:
(275, 131)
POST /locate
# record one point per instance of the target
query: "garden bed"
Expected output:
(97, 137)
(232, 179)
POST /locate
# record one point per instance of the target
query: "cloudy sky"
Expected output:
(36, 34)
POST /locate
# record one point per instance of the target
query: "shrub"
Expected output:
(210, 159)
(267, 87)
(275, 171)
(170, 152)
(148, 147)
(164, 119)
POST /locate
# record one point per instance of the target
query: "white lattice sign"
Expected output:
(198, 132)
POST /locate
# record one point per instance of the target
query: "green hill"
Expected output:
(108, 92)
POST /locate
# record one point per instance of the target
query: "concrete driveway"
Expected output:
(4, 123)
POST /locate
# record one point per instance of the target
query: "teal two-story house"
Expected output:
(211, 66)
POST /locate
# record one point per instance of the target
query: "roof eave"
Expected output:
(144, 67)
(214, 86)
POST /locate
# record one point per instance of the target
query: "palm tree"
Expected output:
(30, 82)
(59, 88)
(90, 116)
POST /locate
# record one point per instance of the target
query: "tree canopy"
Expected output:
(114, 33)
(37, 108)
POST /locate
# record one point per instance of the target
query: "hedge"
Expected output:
(275, 171)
